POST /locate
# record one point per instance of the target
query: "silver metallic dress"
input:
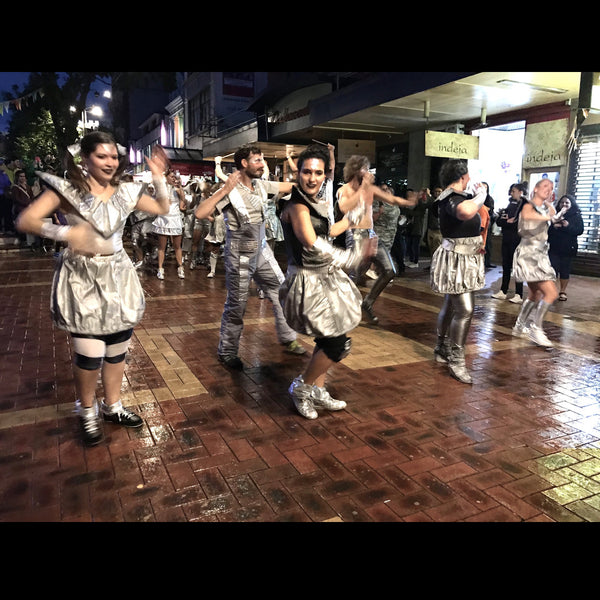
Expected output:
(318, 299)
(100, 294)
(457, 265)
(531, 261)
(172, 222)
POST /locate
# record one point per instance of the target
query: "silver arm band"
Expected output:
(54, 232)
(160, 187)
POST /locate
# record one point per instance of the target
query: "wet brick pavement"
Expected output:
(414, 445)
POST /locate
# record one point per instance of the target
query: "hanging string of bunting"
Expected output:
(18, 103)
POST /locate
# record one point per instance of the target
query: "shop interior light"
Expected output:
(533, 86)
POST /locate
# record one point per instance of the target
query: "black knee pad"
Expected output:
(88, 363)
(115, 359)
(335, 348)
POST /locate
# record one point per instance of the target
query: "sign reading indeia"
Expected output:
(546, 144)
(451, 145)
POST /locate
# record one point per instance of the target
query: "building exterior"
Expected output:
(407, 123)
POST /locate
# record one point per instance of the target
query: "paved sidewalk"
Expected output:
(520, 444)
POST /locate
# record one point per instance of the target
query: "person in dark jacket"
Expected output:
(489, 204)
(508, 222)
(562, 239)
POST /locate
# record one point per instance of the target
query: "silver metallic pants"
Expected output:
(387, 272)
(454, 318)
(247, 256)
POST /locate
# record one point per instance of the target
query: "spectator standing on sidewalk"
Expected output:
(562, 240)
(507, 221)
(6, 219)
(434, 235)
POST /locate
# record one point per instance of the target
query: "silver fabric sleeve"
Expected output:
(346, 259)
(479, 198)
(54, 232)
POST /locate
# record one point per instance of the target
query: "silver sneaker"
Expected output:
(521, 331)
(180, 272)
(322, 399)
(537, 336)
(160, 273)
(302, 398)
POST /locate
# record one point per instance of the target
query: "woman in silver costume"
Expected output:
(171, 225)
(96, 294)
(532, 263)
(317, 296)
(457, 266)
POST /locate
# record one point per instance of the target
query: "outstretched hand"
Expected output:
(158, 162)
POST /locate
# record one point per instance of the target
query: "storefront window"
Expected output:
(587, 193)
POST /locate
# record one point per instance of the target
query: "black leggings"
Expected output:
(508, 251)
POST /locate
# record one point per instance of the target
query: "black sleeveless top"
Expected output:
(450, 225)
(319, 222)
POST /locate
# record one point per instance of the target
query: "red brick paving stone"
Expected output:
(414, 445)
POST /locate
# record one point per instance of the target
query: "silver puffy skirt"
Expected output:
(457, 266)
(320, 302)
(531, 262)
(96, 295)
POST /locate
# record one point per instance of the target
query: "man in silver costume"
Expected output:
(351, 195)
(457, 266)
(247, 255)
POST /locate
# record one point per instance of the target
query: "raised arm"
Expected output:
(157, 164)
(410, 201)
(207, 207)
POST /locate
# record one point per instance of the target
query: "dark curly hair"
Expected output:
(88, 144)
(314, 151)
(452, 170)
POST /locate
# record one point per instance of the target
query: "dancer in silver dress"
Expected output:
(96, 294)
(457, 266)
(318, 297)
(532, 264)
(356, 170)
(171, 225)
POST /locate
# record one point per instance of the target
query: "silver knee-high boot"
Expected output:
(441, 352)
(521, 327)
(536, 331)
(462, 309)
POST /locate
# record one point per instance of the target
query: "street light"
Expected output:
(84, 124)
